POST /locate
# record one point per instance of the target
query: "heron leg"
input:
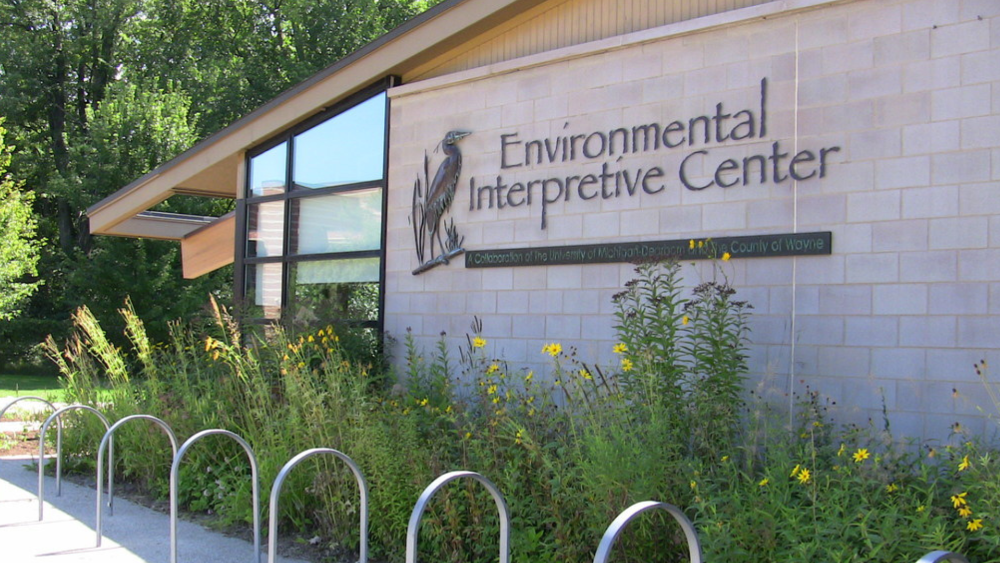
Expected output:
(441, 244)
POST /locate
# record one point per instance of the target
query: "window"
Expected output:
(312, 220)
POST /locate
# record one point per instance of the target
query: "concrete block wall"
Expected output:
(909, 90)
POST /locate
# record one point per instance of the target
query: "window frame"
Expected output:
(286, 258)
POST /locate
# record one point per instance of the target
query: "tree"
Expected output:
(19, 248)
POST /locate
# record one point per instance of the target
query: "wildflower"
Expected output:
(627, 364)
(796, 470)
(286, 357)
(974, 525)
(215, 355)
(448, 410)
(840, 452)
(891, 488)
(921, 508)
(208, 343)
(726, 256)
(529, 377)
(496, 400)
(620, 348)
(531, 411)
(517, 437)
(585, 374)
(468, 435)
(685, 320)
(478, 342)
(423, 402)
(492, 369)
(691, 244)
(959, 500)
(965, 464)
(861, 455)
(491, 389)
(804, 476)
(553, 349)
(694, 485)
(965, 512)
(725, 458)
(763, 482)
(311, 339)
(701, 244)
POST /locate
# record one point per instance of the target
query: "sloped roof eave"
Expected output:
(443, 25)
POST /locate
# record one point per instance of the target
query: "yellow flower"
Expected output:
(959, 500)
(620, 348)
(965, 512)
(468, 435)
(763, 482)
(694, 485)
(478, 342)
(496, 400)
(423, 402)
(492, 369)
(921, 508)
(796, 470)
(861, 455)
(726, 256)
(804, 476)
(974, 525)
(840, 452)
(691, 244)
(208, 343)
(685, 320)
(553, 349)
(701, 244)
(891, 488)
(627, 364)
(725, 458)
(311, 339)
(965, 464)
(517, 437)
(529, 377)
(585, 374)
(491, 389)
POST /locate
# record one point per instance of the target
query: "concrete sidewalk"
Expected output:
(134, 534)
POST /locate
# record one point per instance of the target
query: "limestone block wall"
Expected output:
(902, 95)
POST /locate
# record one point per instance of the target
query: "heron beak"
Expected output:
(459, 135)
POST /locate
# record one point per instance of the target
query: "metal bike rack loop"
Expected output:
(175, 469)
(942, 556)
(272, 530)
(4, 410)
(41, 453)
(108, 436)
(619, 523)
(413, 529)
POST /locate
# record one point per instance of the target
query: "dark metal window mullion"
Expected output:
(390, 82)
(286, 280)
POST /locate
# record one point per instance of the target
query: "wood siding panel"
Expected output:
(563, 23)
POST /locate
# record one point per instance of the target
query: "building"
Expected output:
(846, 153)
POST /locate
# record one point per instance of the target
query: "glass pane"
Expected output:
(265, 228)
(335, 289)
(263, 291)
(343, 222)
(345, 149)
(267, 172)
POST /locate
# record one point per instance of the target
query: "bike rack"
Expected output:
(41, 453)
(175, 468)
(272, 532)
(619, 523)
(108, 436)
(942, 556)
(4, 410)
(413, 529)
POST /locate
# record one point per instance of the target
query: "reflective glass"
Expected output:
(265, 228)
(263, 291)
(345, 149)
(343, 222)
(334, 289)
(267, 172)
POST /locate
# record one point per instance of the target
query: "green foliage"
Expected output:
(19, 249)
(570, 448)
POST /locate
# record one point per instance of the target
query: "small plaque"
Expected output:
(756, 246)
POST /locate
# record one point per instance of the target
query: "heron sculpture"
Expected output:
(441, 191)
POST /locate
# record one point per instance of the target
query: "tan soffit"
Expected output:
(168, 226)
(209, 248)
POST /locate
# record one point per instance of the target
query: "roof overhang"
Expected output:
(213, 167)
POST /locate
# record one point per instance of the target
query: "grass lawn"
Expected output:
(44, 386)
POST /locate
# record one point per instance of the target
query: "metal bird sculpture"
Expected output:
(441, 191)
